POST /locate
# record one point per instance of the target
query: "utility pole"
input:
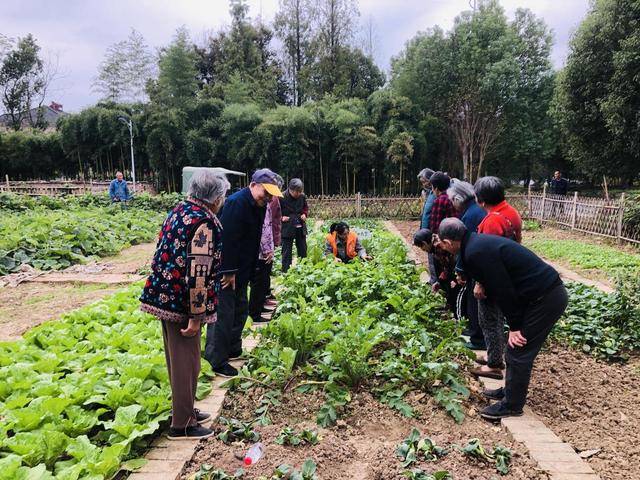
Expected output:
(129, 123)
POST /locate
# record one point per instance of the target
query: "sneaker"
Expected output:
(226, 370)
(195, 432)
(475, 346)
(201, 417)
(496, 394)
(498, 411)
(487, 372)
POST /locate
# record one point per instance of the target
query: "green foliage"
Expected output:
(500, 455)
(604, 325)
(80, 396)
(288, 436)
(236, 430)
(208, 472)
(587, 257)
(50, 239)
(413, 448)
(417, 474)
(287, 472)
(363, 324)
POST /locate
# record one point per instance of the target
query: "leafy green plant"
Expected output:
(236, 430)
(414, 447)
(501, 456)
(417, 474)
(337, 398)
(208, 472)
(287, 472)
(288, 436)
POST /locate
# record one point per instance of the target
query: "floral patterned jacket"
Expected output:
(185, 280)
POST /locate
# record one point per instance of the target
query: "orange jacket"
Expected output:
(351, 244)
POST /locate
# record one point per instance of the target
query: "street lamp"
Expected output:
(129, 123)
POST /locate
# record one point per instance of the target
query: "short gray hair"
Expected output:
(452, 229)
(460, 193)
(207, 185)
(296, 185)
(425, 174)
(489, 190)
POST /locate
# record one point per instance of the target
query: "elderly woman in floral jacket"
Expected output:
(182, 293)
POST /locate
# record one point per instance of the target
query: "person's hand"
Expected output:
(192, 329)
(435, 240)
(460, 279)
(285, 219)
(303, 217)
(338, 260)
(229, 280)
(435, 288)
(478, 292)
(368, 257)
(516, 339)
(269, 257)
(453, 284)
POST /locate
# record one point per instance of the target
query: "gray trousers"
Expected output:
(538, 321)
(183, 363)
(491, 321)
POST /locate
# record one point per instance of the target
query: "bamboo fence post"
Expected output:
(620, 218)
(544, 201)
(358, 205)
(529, 206)
(6, 177)
(574, 211)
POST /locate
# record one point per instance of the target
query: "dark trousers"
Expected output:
(224, 337)
(260, 288)
(287, 248)
(539, 319)
(470, 309)
(183, 363)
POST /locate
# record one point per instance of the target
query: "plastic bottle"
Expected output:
(254, 454)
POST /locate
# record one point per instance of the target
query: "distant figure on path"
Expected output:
(118, 189)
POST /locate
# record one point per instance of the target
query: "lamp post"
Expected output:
(129, 123)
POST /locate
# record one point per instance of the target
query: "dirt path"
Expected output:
(32, 303)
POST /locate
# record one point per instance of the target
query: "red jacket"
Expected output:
(502, 220)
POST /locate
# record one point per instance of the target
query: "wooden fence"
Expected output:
(596, 216)
(62, 187)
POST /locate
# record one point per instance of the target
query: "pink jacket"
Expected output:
(276, 221)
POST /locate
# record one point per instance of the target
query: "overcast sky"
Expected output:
(78, 32)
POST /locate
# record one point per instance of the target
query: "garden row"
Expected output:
(53, 233)
(80, 397)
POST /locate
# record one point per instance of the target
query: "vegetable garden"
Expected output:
(360, 375)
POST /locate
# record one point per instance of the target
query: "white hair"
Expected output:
(208, 186)
(460, 193)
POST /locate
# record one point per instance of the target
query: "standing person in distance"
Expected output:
(242, 220)
(118, 190)
(182, 292)
(294, 222)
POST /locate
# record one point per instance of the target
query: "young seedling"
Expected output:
(413, 447)
(500, 455)
(235, 430)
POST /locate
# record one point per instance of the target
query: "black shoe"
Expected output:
(475, 346)
(234, 355)
(189, 433)
(498, 411)
(497, 394)
(466, 332)
(226, 371)
(201, 417)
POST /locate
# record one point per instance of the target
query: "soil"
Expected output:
(32, 303)
(593, 406)
(362, 445)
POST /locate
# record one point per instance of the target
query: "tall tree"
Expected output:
(177, 82)
(23, 79)
(599, 92)
(127, 67)
(293, 24)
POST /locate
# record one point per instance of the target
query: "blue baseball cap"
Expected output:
(269, 180)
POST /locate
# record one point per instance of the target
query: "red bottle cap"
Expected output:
(247, 460)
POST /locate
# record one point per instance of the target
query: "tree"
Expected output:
(598, 95)
(293, 25)
(400, 152)
(22, 78)
(177, 82)
(125, 71)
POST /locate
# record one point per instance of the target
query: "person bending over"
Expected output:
(344, 244)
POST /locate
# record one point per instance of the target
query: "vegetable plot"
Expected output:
(54, 239)
(79, 396)
(361, 325)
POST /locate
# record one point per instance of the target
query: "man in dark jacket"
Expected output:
(558, 185)
(528, 291)
(294, 222)
(242, 219)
